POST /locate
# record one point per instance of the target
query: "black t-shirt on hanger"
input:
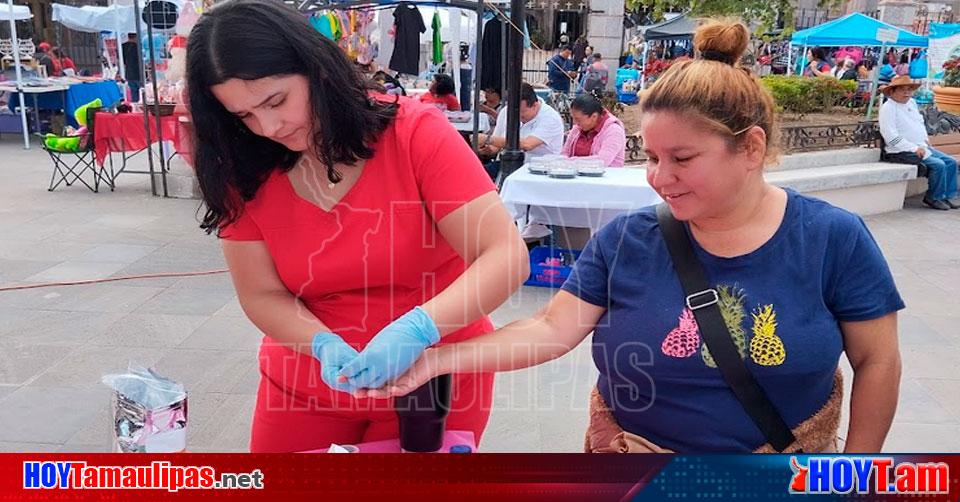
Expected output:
(406, 48)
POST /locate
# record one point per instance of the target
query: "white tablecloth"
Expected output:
(582, 202)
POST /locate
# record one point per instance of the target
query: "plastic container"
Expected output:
(563, 172)
(550, 267)
(423, 415)
(589, 166)
(536, 165)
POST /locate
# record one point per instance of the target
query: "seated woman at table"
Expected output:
(443, 92)
(596, 132)
(798, 282)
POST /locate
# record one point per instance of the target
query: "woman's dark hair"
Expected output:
(527, 94)
(586, 104)
(496, 90)
(818, 53)
(445, 84)
(904, 58)
(249, 40)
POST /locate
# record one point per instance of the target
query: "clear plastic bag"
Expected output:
(150, 412)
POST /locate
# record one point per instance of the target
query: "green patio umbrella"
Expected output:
(437, 43)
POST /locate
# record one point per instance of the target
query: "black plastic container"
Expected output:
(423, 415)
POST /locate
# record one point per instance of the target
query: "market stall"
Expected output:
(69, 93)
(856, 30)
(389, 50)
(161, 47)
(12, 13)
(678, 28)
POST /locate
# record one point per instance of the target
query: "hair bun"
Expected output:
(722, 40)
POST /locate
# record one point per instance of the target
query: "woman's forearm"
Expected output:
(873, 403)
(520, 344)
(483, 287)
(283, 317)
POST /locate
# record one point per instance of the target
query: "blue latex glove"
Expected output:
(333, 353)
(394, 349)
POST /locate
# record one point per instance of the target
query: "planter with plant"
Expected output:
(947, 96)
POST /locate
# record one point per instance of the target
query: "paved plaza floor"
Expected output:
(55, 343)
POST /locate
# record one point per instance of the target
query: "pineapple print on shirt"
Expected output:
(684, 340)
(766, 348)
(732, 311)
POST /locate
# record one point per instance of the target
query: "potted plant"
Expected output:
(947, 96)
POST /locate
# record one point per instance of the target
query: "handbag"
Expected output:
(702, 300)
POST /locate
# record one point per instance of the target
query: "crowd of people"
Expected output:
(577, 68)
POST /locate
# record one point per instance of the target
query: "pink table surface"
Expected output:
(450, 438)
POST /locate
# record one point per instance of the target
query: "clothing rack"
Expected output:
(479, 6)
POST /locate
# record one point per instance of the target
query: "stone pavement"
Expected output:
(55, 343)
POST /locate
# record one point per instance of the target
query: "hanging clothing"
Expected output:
(327, 24)
(386, 37)
(437, 42)
(491, 51)
(406, 50)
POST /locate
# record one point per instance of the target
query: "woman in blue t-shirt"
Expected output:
(799, 283)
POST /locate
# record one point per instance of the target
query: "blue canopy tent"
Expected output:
(855, 29)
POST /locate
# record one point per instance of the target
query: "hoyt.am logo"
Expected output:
(828, 475)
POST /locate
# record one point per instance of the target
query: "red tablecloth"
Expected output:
(124, 132)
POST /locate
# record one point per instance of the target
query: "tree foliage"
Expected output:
(763, 15)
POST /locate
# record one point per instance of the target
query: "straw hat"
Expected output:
(899, 81)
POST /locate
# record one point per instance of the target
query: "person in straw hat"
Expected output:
(906, 141)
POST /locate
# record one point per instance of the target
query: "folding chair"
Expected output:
(69, 166)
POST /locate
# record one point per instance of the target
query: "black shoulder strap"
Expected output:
(702, 300)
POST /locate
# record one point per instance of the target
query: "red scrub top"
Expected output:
(378, 252)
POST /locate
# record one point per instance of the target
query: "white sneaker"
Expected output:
(535, 231)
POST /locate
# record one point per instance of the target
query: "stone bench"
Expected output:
(946, 143)
(853, 179)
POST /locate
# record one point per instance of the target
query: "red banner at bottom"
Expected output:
(501, 477)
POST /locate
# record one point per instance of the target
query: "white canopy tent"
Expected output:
(11, 14)
(91, 18)
(117, 18)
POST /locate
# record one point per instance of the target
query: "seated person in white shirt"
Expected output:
(906, 142)
(541, 130)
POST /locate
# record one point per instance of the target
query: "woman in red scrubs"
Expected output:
(359, 228)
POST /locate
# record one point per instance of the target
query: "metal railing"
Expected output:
(811, 138)
(827, 137)
(535, 66)
(798, 139)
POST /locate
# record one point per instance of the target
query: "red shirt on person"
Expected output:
(67, 64)
(449, 100)
(374, 256)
